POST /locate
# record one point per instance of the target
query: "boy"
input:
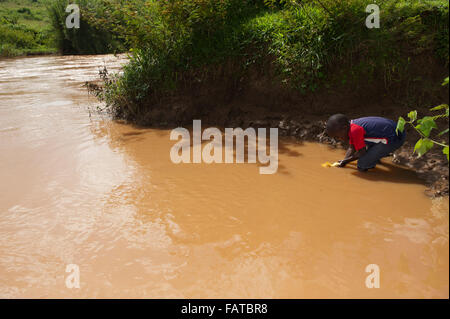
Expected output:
(370, 139)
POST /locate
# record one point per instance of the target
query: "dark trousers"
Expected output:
(377, 151)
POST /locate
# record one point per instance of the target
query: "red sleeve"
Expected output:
(356, 136)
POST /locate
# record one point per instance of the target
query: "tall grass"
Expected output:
(91, 38)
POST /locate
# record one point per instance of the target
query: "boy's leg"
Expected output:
(372, 156)
(375, 153)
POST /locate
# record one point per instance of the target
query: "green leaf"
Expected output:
(443, 132)
(445, 81)
(439, 107)
(426, 125)
(412, 116)
(445, 151)
(400, 125)
(422, 146)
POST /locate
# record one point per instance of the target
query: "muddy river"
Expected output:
(83, 195)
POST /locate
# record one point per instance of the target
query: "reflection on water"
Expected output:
(105, 196)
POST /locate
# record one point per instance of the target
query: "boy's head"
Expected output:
(338, 126)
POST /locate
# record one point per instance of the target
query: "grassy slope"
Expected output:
(25, 28)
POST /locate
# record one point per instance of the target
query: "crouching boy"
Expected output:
(370, 139)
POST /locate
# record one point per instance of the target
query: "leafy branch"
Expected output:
(424, 126)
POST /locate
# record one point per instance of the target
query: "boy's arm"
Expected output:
(352, 155)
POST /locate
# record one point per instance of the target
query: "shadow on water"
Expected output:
(285, 149)
(285, 146)
(387, 172)
(137, 133)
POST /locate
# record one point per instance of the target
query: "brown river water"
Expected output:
(84, 190)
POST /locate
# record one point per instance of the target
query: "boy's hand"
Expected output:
(339, 164)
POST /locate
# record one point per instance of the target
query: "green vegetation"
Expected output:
(25, 28)
(95, 34)
(310, 44)
(38, 27)
(425, 126)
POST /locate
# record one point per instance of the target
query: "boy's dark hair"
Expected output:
(337, 122)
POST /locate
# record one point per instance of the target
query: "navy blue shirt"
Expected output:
(373, 129)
